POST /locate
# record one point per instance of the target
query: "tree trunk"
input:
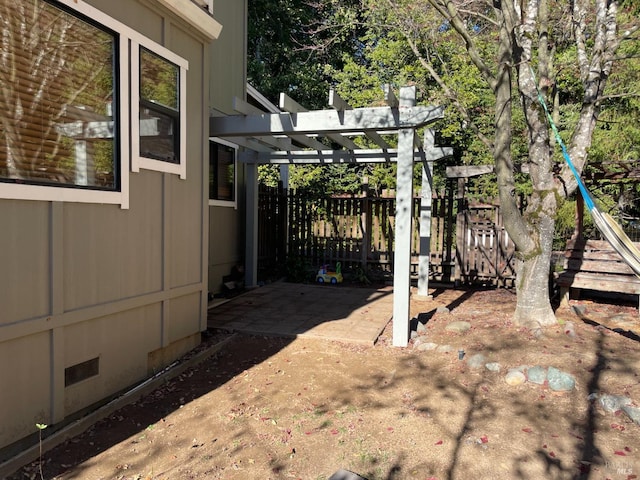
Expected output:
(533, 306)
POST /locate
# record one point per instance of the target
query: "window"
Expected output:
(159, 95)
(61, 105)
(159, 108)
(222, 173)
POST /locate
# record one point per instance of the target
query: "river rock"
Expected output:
(515, 377)
(459, 327)
(560, 381)
(444, 348)
(476, 361)
(613, 403)
(632, 412)
(493, 366)
(426, 346)
(537, 375)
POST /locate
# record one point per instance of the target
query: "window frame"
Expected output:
(74, 193)
(226, 203)
(138, 161)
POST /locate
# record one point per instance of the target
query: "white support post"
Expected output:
(251, 243)
(431, 153)
(402, 241)
(425, 219)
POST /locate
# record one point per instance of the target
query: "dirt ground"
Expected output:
(273, 408)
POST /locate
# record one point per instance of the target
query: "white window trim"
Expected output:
(137, 161)
(71, 193)
(227, 203)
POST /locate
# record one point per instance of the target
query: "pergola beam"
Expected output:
(467, 171)
(324, 121)
(302, 157)
(262, 143)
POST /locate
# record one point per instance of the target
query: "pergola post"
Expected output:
(425, 219)
(402, 241)
(251, 222)
(431, 154)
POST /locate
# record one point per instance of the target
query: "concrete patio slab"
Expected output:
(331, 312)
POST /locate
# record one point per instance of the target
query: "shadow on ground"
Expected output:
(273, 407)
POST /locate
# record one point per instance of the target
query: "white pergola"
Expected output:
(292, 135)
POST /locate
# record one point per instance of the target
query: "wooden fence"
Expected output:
(467, 244)
(485, 253)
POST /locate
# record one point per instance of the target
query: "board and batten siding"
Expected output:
(119, 292)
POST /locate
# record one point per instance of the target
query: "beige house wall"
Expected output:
(225, 246)
(128, 287)
(228, 81)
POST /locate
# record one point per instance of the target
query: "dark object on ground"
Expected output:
(345, 475)
(233, 284)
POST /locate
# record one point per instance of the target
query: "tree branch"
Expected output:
(447, 9)
(450, 94)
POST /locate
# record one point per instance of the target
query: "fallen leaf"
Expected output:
(527, 430)
(620, 452)
(439, 442)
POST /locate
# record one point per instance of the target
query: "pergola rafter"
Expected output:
(298, 136)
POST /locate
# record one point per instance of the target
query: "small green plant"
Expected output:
(40, 427)
(298, 270)
(361, 276)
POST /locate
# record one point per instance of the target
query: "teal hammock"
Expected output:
(608, 227)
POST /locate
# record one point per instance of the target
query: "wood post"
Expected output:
(402, 241)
